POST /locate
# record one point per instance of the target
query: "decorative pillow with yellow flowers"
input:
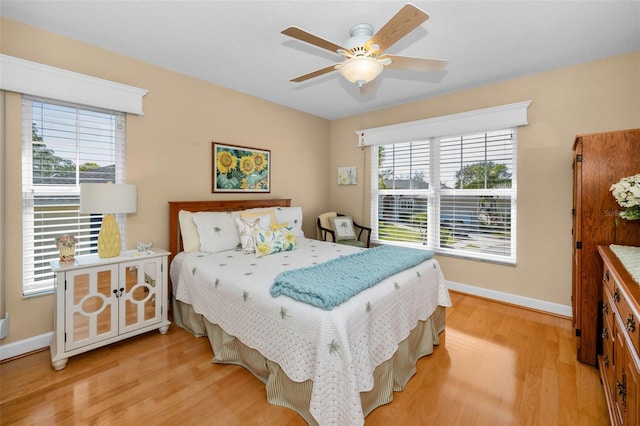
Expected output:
(271, 241)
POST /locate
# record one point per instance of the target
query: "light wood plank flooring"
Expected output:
(496, 365)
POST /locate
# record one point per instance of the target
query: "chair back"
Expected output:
(325, 222)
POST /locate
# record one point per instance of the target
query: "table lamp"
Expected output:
(108, 198)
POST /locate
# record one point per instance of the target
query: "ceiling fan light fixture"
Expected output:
(364, 53)
(361, 69)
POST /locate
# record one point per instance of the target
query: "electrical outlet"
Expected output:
(4, 326)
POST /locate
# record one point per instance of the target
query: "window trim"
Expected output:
(476, 121)
(44, 81)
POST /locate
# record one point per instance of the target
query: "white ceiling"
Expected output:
(237, 44)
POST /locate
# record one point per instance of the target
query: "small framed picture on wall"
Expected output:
(347, 175)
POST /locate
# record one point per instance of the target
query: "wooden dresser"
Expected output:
(599, 161)
(618, 361)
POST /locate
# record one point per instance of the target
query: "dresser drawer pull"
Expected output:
(621, 389)
(605, 333)
(605, 276)
(616, 295)
(605, 360)
(631, 323)
(605, 308)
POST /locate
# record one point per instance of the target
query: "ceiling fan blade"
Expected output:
(401, 24)
(416, 64)
(315, 73)
(307, 37)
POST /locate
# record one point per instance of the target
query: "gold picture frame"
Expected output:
(240, 169)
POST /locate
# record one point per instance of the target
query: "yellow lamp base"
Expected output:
(109, 237)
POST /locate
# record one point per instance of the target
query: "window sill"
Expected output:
(448, 253)
(476, 259)
(38, 292)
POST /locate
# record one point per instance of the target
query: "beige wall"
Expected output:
(593, 97)
(168, 150)
(168, 156)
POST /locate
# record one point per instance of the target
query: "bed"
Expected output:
(332, 366)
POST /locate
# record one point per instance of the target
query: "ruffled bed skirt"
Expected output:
(392, 375)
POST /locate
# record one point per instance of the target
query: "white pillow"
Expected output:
(293, 217)
(246, 226)
(188, 231)
(217, 231)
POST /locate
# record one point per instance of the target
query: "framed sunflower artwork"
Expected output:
(240, 169)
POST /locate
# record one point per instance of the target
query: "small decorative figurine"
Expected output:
(67, 245)
(143, 247)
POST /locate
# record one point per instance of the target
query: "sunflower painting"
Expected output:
(240, 169)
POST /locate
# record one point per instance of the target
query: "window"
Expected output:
(63, 145)
(455, 195)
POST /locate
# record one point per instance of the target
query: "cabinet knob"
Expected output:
(605, 276)
(605, 333)
(631, 324)
(605, 308)
(616, 295)
(605, 360)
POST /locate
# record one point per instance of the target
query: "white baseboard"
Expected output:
(21, 347)
(25, 346)
(527, 302)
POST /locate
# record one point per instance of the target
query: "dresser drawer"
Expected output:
(628, 317)
(607, 279)
(608, 313)
(608, 332)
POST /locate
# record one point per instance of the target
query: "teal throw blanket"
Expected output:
(329, 284)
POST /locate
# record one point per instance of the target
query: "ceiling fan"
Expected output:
(363, 52)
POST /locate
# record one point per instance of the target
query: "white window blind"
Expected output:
(64, 145)
(454, 195)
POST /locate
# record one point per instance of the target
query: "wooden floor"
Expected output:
(496, 365)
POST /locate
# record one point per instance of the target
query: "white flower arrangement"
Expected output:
(627, 194)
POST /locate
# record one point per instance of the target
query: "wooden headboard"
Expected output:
(175, 239)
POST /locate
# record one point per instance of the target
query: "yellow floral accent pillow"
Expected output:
(276, 226)
(274, 241)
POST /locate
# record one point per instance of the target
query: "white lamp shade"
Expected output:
(361, 69)
(108, 198)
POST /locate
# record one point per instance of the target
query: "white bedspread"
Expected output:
(337, 349)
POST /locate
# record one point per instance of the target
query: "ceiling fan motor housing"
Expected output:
(360, 35)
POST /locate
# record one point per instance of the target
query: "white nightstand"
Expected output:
(100, 301)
